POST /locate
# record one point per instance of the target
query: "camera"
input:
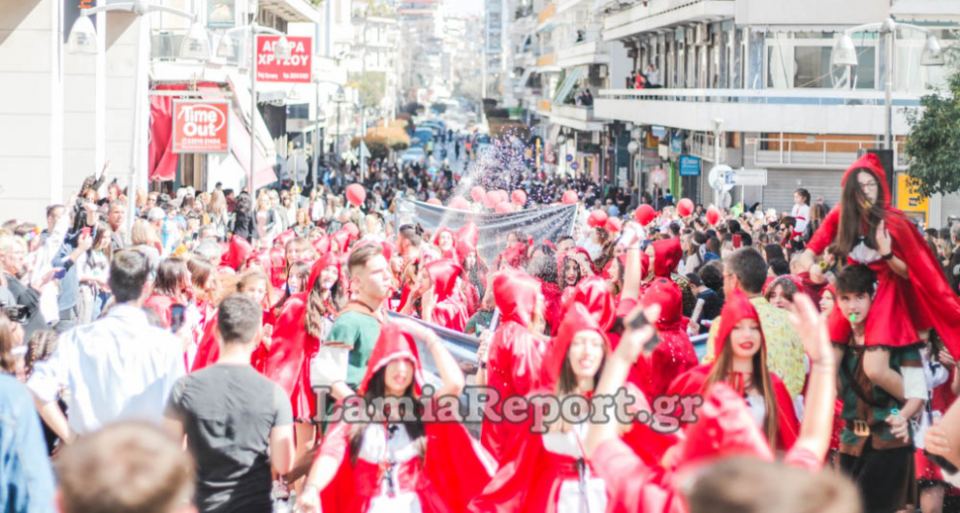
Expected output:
(16, 313)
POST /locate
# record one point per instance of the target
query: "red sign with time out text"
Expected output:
(200, 126)
(295, 68)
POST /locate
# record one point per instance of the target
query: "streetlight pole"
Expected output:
(281, 50)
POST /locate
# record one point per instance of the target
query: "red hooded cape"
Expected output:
(675, 353)
(736, 308)
(450, 310)
(515, 358)
(453, 469)
(288, 361)
(901, 307)
(532, 481)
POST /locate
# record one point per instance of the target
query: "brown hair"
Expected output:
(721, 369)
(855, 211)
(41, 345)
(361, 255)
(749, 485)
(172, 276)
(8, 362)
(128, 467)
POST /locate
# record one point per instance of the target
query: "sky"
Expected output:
(464, 6)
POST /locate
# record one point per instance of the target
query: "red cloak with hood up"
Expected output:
(901, 306)
(451, 471)
(532, 481)
(287, 362)
(736, 308)
(724, 428)
(675, 353)
(515, 358)
(450, 309)
(667, 253)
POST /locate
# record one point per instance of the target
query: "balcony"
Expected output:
(592, 52)
(807, 111)
(566, 5)
(547, 61)
(546, 18)
(576, 117)
(660, 14)
(812, 152)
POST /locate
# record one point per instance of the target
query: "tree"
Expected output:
(371, 86)
(933, 144)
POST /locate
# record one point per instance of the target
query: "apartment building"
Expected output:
(751, 84)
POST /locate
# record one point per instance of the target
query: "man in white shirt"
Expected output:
(118, 367)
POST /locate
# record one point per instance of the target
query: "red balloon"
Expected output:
(613, 225)
(478, 194)
(356, 194)
(501, 196)
(645, 214)
(685, 207)
(505, 207)
(570, 197)
(597, 219)
(518, 197)
(713, 215)
(434, 201)
(459, 203)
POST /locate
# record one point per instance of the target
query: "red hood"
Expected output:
(724, 427)
(736, 308)
(516, 255)
(515, 294)
(278, 266)
(393, 344)
(322, 245)
(577, 319)
(327, 260)
(466, 239)
(870, 162)
(583, 251)
(623, 266)
(436, 237)
(666, 293)
(666, 256)
(594, 294)
(444, 275)
(285, 237)
(238, 251)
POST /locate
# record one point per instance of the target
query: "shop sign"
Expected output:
(200, 126)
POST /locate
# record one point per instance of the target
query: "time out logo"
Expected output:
(200, 126)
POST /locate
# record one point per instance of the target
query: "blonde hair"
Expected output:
(142, 233)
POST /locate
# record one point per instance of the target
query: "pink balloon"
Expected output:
(491, 200)
(504, 207)
(459, 203)
(644, 214)
(518, 197)
(570, 197)
(685, 207)
(597, 219)
(356, 194)
(434, 201)
(502, 196)
(477, 194)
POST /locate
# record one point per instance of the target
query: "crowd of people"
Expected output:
(237, 353)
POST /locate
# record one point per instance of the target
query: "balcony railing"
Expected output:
(590, 52)
(765, 96)
(831, 153)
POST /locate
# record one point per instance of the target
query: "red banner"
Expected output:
(200, 126)
(295, 68)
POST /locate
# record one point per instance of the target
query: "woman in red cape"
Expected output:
(388, 464)
(515, 357)
(741, 362)
(594, 293)
(448, 307)
(912, 292)
(675, 354)
(550, 473)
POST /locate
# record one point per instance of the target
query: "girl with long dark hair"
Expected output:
(909, 299)
(396, 459)
(741, 362)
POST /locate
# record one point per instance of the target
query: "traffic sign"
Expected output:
(689, 165)
(751, 177)
(721, 178)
